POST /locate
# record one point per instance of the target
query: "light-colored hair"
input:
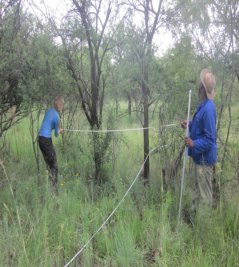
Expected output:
(58, 99)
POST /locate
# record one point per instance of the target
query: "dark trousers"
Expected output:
(49, 155)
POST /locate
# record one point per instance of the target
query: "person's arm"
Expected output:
(56, 125)
(60, 130)
(188, 141)
(205, 142)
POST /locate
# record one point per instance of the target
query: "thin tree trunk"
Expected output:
(146, 131)
(129, 104)
(34, 137)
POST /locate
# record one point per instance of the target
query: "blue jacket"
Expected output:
(50, 122)
(203, 133)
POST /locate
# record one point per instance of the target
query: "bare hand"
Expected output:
(60, 130)
(184, 124)
(188, 142)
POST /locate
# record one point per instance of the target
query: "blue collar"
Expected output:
(203, 103)
(200, 105)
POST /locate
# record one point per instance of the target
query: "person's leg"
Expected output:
(204, 179)
(44, 144)
(53, 169)
(195, 190)
(49, 155)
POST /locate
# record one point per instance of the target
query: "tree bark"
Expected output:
(146, 131)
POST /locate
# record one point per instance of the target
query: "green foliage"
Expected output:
(44, 230)
(179, 73)
(38, 228)
(31, 67)
(47, 76)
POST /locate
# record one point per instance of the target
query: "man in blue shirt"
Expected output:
(51, 122)
(201, 143)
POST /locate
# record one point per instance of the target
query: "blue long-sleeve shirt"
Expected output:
(50, 122)
(203, 133)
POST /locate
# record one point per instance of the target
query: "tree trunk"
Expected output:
(129, 104)
(98, 154)
(146, 131)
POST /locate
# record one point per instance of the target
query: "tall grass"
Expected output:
(38, 228)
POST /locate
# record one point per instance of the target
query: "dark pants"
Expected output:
(49, 155)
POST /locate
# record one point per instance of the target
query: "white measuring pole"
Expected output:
(184, 159)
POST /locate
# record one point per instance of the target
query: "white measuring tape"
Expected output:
(119, 130)
(114, 210)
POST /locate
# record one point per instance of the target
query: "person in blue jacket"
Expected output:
(51, 121)
(201, 143)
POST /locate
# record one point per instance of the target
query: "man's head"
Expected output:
(201, 92)
(59, 103)
(208, 81)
